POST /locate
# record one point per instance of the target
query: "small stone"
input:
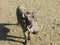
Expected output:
(44, 34)
(8, 22)
(53, 27)
(51, 43)
(30, 42)
(58, 24)
(59, 2)
(0, 8)
(39, 38)
(58, 44)
(9, 42)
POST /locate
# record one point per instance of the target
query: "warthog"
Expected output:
(29, 21)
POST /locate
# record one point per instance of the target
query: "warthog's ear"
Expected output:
(33, 14)
(28, 13)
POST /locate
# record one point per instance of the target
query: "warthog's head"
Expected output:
(32, 24)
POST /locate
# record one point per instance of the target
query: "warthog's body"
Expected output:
(29, 22)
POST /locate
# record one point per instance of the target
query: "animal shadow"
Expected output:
(4, 35)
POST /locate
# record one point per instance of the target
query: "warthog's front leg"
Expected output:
(25, 43)
(29, 35)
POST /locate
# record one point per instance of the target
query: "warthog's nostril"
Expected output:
(35, 32)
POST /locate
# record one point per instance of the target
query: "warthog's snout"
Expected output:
(35, 32)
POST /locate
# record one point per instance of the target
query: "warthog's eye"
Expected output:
(32, 16)
(30, 26)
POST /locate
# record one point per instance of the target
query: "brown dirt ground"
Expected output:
(48, 14)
